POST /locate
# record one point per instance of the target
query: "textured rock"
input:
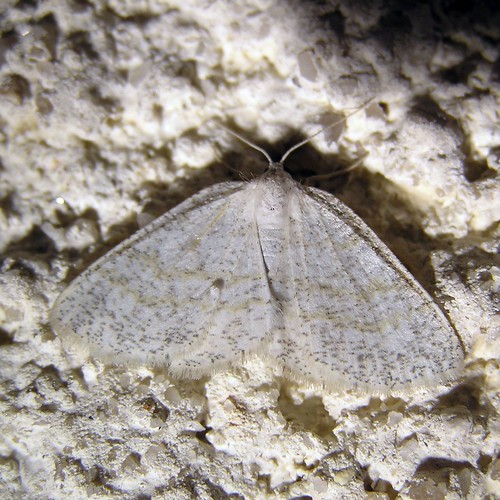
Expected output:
(108, 114)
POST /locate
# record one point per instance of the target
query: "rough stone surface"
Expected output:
(108, 115)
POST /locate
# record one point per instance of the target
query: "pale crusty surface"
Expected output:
(108, 114)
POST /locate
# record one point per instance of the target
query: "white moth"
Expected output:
(266, 267)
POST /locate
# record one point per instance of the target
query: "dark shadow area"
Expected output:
(378, 485)
(5, 338)
(309, 416)
(202, 435)
(438, 464)
(397, 18)
(434, 475)
(467, 398)
(36, 242)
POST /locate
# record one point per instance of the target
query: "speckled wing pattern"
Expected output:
(266, 267)
(189, 290)
(356, 315)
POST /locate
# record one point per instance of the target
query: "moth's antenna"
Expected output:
(307, 139)
(246, 141)
(301, 143)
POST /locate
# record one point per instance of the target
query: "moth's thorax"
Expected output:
(276, 201)
(274, 189)
(273, 193)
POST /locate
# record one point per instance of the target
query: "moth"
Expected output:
(267, 267)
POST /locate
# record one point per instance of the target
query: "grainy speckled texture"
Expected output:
(108, 114)
(268, 268)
